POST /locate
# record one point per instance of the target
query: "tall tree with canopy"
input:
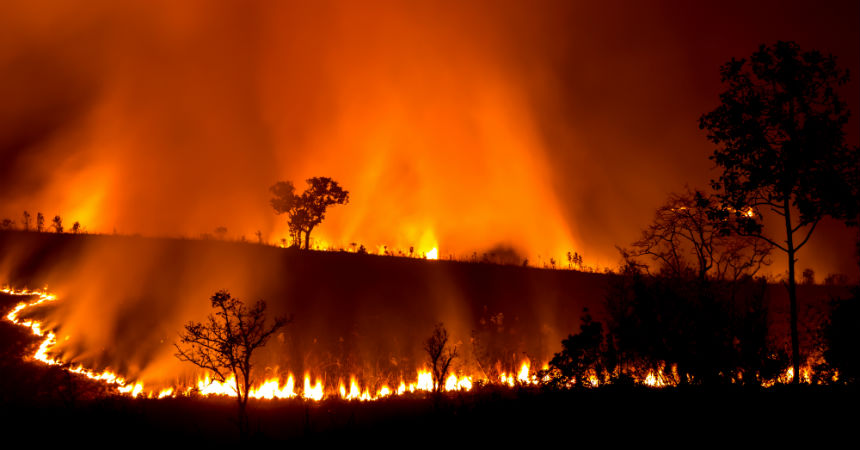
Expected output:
(782, 151)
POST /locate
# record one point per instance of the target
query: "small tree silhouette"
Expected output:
(842, 337)
(440, 355)
(40, 222)
(582, 355)
(221, 232)
(26, 221)
(57, 223)
(225, 344)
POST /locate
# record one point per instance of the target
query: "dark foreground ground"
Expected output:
(44, 405)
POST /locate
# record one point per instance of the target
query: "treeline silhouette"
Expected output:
(30, 223)
(712, 333)
(687, 303)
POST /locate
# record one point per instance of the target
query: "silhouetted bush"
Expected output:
(711, 332)
(842, 338)
(586, 357)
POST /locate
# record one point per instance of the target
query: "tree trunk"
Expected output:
(242, 418)
(308, 238)
(792, 295)
(242, 399)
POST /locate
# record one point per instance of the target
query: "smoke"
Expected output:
(545, 128)
(513, 129)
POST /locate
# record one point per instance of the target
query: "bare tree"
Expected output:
(686, 239)
(440, 355)
(225, 344)
(40, 222)
(26, 221)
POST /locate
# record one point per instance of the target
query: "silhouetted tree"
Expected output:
(225, 344)
(574, 259)
(221, 232)
(76, 227)
(440, 354)
(710, 332)
(40, 222)
(583, 355)
(57, 223)
(836, 279)
(808, 276)
(781, 147)
(308, 210)
(493, 344)
(688, 241)
(7, 224)
(26, 221)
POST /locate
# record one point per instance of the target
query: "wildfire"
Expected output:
(49, 340)
(273, 388)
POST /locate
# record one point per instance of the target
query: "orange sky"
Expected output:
(540, 126)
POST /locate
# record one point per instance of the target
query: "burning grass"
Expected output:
(317, 389)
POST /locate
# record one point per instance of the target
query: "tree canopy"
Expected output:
(781, 148)
(225, 344)
(686, 239)
(307, 210)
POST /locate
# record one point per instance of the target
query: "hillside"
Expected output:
(124, 299)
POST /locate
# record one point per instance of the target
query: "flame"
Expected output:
(314, 392)
(165, 393)
(523, 375)
(272, 388)
(433, 254)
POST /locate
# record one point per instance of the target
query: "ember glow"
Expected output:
(271, 388)
(317, 390)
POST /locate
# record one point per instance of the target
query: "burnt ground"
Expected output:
(46, 405)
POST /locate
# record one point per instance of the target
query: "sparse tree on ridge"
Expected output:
(57, 223)
(40, 222)
(307, 210)
(781, 147)
(26, 221)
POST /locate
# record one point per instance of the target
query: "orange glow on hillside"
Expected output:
(317, 390)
